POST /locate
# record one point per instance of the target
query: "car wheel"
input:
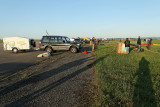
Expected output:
(73, 49)
(54, 51)
(15, 50)
(48, 49)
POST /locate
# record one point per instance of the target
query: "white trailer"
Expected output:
(16, 44)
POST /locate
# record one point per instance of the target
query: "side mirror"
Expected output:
(64, 41)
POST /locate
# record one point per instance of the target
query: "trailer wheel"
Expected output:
(15, 50)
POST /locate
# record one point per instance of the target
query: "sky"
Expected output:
(80, 18)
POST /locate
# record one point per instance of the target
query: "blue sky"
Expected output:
(80, 18)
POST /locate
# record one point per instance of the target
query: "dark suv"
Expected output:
(54, 43)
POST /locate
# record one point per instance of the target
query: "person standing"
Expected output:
(127, 45)
(139, 44)
(149, 43)
(93, 43)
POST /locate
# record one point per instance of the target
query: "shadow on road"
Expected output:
(41, 76)
(24, 100)
(144, 94)
(38, 77)
(13, 67)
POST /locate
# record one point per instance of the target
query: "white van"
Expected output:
(16, 44)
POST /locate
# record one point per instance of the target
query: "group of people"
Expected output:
(127, 44)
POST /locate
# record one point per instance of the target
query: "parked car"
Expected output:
(54, 43)
(77, 40)
(17, 44)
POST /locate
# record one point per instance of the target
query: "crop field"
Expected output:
(131, 80)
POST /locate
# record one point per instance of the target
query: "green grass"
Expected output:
(133, 41)
(127, 80)
(37, 40)
(156, 41)
(1, 41)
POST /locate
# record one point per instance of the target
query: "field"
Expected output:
(1, 41)
(37, 40)
(131, 80)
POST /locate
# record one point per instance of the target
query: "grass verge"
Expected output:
(131, 80)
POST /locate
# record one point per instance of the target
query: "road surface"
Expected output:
(58, 81)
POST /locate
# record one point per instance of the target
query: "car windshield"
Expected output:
(68, 40)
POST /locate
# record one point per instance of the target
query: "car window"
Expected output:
(60, 39)
(46, 39)
(63, 39)
(68, 40)
(53, 39)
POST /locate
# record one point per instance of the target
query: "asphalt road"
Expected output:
(11, 63)
(60, 83)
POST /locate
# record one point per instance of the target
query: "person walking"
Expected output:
(149, 43)
(127, 45)
(139, 44)
(93, 43)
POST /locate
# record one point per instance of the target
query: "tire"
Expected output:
(15, 50)
(23, 50)
(73, 49)
(49, 49)
(54, 51)
(78, 50)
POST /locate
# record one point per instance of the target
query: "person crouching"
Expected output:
(127, 45)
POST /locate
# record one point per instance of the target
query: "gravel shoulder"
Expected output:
(56, 82)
